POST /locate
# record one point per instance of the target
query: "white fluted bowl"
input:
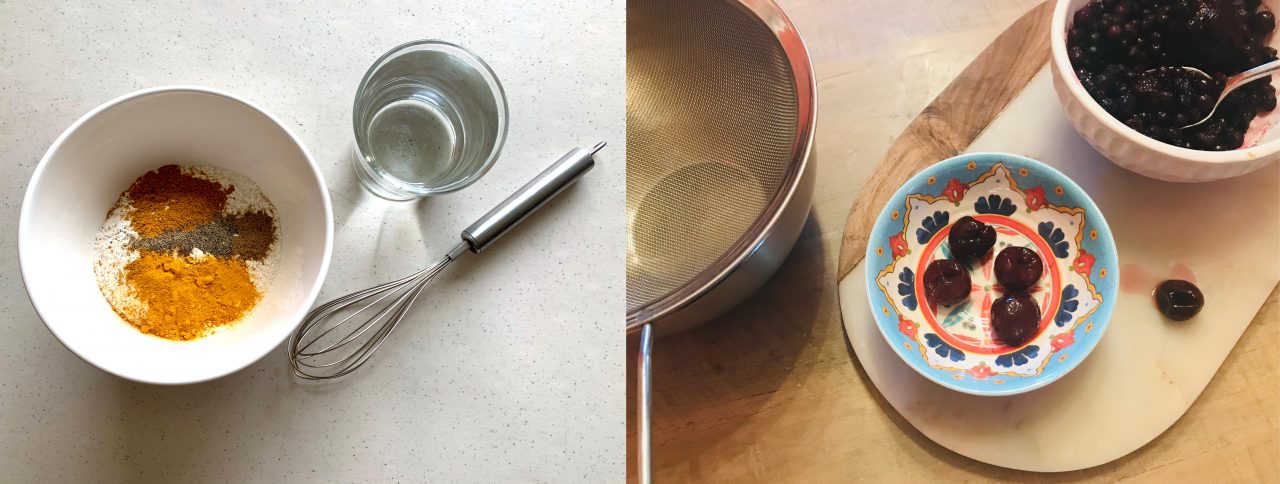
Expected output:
(1132, 150)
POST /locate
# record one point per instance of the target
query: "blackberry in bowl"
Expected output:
(1116, 71)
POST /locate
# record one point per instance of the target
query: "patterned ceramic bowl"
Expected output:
(1029, 204)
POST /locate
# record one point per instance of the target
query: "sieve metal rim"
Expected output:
(797, 54)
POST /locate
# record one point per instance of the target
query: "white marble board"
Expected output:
(1146, 371)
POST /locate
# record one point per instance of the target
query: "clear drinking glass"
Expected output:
(430, 118)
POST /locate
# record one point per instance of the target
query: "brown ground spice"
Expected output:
(255, 233)
(167, 199)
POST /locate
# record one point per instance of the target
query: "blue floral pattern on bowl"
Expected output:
(1030, 205)
(995, 204)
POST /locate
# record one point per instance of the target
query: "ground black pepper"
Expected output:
(246, 236)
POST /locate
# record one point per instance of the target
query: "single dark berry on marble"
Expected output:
(1179, 300)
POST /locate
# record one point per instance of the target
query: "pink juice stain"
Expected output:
(1136, 279)
(1258, 127)
(1181, 271)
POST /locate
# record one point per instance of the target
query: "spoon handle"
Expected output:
(1251, 75)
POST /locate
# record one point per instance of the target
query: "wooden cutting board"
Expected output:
(1146, 372)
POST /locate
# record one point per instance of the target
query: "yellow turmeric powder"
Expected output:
(187, 296)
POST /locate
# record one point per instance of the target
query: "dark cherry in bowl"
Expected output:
(1015, 319)
(1018, 268)
(970, 239)
(946, 282)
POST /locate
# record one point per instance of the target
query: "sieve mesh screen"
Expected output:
(711, 130)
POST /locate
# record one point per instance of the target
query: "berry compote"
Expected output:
(1126, 54)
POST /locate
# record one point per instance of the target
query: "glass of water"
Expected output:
(430, 118)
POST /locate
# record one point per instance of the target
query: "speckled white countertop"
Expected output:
(510, 369)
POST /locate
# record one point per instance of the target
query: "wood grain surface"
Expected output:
(951, 122)
(771, 392)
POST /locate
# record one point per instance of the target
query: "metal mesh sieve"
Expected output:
(713, 126)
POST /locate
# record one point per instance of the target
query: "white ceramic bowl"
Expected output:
(1131, 149)
(98, 157)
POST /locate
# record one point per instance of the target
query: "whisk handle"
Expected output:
(530, 197)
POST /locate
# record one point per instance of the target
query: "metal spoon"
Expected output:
(1233, 83)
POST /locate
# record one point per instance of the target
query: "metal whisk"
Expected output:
(320, 349)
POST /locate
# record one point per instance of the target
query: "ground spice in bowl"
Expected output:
(168, 199)
(186, 295)
(186, 250)
(246, 236)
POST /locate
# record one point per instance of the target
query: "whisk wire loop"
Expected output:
(315, 354)
(319, 350)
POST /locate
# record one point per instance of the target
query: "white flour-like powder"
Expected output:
(111, 253)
